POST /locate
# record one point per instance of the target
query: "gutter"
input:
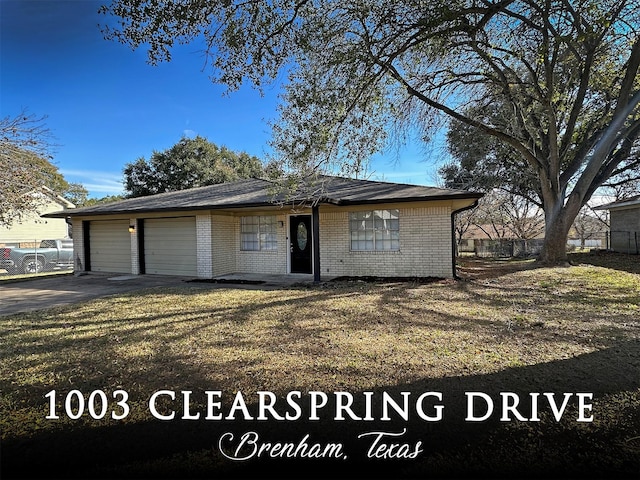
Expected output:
(453, 236)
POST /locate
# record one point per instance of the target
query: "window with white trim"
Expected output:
(258, 232)
(375, 230)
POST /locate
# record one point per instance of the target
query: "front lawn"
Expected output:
(505, 327)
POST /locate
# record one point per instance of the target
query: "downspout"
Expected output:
(453, 235)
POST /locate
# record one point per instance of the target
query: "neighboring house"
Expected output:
(32, 228)
(352, 228)
(624, 224)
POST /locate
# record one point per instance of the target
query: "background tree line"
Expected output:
(26, 156)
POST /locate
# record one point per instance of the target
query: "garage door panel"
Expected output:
(110, 246)
(170, 246)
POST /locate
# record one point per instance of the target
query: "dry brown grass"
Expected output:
(506, 326)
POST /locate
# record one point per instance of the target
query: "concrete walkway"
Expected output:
(40, 293)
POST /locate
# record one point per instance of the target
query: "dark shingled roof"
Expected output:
(255, 192)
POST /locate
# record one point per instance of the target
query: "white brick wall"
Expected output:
(266, 261)
(425, 246)
(78, 246)
(204, 262)
(135, 254)
(224, 244)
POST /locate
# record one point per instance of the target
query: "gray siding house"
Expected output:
(349, 228)
(624, 225)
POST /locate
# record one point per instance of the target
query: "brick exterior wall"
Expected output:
(135, 254)
(224, 244)
(204, 263)
(266, 261)
(80, 265)
(425, 246)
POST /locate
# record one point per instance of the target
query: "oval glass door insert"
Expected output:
(302, 235)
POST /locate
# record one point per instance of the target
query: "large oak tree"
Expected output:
(362, 71)
(192, 162)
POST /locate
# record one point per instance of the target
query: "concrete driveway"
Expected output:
(40, 293)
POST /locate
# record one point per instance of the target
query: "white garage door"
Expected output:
(110, 246)
(170, 246)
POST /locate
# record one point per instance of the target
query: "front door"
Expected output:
(300, 243)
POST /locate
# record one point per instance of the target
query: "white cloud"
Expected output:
(189, 133)
(98, 183)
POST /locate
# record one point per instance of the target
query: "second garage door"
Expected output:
(170, 246)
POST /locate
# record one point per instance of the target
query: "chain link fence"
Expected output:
(623, 242)
(501, 248)
(32, 257)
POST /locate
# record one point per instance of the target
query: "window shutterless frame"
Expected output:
(374, 230)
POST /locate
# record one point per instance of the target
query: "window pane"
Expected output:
(368, 223)
(258, 232)
(377, 230)
(249, 242)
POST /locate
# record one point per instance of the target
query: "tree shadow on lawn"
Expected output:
(617, 261)
(477, 268)
(450, 448)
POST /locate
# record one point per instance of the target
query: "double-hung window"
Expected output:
(375, 230)
(258, 232)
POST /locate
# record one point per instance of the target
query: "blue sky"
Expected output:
(106, 106)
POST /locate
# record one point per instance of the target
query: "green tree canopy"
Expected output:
(481, 162)
(361, 71)
(192, 162)
(98, 201)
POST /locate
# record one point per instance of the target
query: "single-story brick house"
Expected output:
(624, 224)
(351, 227)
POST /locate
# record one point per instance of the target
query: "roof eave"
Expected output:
(325, 200)
(80, 213)
(615, 205)
(461, 196)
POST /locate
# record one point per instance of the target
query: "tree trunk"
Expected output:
(554, 248)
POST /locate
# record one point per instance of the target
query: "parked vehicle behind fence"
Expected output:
(48, 256)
